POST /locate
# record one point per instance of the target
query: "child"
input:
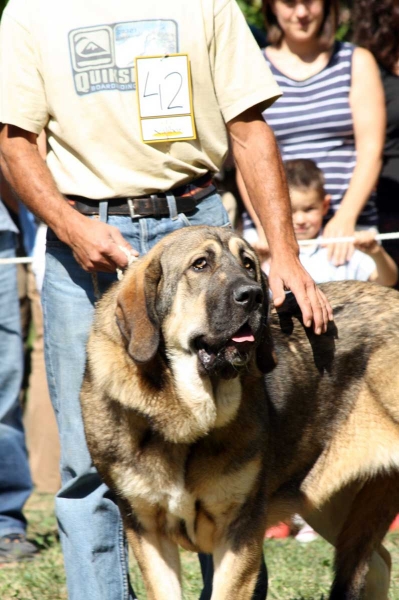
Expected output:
(369, 261)
(309, 202)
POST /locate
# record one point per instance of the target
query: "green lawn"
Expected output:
(296, 571)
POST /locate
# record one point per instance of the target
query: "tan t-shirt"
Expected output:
(69, 67)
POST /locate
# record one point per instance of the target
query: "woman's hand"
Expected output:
(339, 226)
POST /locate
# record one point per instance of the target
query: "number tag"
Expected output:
(164, 93)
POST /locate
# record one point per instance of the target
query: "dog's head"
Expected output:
(201, 292)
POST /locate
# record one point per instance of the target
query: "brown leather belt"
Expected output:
(156, 205)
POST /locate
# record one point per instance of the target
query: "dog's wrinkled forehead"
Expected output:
(190, 244)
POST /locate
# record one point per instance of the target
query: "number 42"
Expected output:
(174, 85)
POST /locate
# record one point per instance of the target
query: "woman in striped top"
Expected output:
(332, 110)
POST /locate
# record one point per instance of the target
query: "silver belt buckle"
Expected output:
(132, 212)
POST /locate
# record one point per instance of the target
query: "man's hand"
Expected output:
(290, 275)
(95, 245)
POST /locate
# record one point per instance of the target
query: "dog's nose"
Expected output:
(248, 295)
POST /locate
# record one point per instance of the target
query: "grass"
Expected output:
(296, 571)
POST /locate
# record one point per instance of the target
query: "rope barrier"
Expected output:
(337, 240)
(16, 261)
(340, 240)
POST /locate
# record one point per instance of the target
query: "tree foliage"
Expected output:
(252, 10)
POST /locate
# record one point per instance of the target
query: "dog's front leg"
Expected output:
(236, 571)
(159, 563)
(157, 557)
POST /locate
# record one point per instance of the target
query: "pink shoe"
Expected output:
(282, 530)
(395, 524)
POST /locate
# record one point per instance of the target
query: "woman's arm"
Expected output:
(367, 102)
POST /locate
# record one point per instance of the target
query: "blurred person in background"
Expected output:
(332, 111)
(15, 479)
(376, 27)
(38, 415)
(39, 418)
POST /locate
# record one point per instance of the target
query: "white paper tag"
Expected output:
(164, 93)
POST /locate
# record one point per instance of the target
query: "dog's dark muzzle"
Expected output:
(237, 323)
(248, 296)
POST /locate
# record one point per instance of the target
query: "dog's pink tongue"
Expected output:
(244, 334)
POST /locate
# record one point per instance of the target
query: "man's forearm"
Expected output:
(256, 153)
(7, 196)
(28, 175)
(245, 199)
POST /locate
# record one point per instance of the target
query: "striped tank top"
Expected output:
(313, 119)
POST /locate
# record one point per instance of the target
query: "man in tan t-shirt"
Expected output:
(70, 68)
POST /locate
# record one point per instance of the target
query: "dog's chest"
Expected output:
(181, 491)
(154, 486)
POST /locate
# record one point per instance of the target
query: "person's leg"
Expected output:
(39, 420)
(15, 480)
(25, 314)
(89, 521)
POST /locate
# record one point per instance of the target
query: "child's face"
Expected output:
(308, 210)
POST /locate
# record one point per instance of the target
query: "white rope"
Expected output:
(132, 258)
(16, 261)
(342, 240)
(119, 272)
(28, 259)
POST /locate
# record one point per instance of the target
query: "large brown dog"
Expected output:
(211, 419)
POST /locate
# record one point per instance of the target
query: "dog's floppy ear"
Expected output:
(266, 358)
(136, 314)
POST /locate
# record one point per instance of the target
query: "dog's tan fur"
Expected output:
(206, 439)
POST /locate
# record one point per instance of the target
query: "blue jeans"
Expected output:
(89, 521)
(15, 479)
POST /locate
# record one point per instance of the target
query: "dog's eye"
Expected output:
(249, 264)
(200, 264)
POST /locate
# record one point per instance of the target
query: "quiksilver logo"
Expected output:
(103, 56)
(91, 47)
